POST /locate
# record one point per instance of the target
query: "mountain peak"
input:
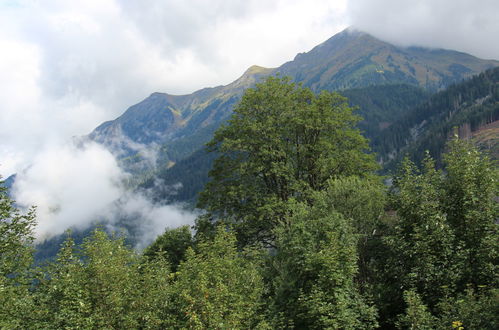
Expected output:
(353, 59)
(252, 75)
(255, 69)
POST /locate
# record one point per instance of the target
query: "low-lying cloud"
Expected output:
(78, 186)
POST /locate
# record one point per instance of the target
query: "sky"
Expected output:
(67, 65)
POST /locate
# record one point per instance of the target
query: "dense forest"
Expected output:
(299, 232)
(467, 106)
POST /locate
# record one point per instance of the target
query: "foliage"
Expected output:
(362, 202)
(313, 272)
(471, 189)
(96, 289)
(16, 255)
(217, 287)
(445, 235)
(283, 142)
(470, 310)
(424, 255)
(417, 316)
(171, 246)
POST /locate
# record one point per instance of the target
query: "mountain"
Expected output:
(172, 127)
(143, 129)
(353, 59)
(469, 109)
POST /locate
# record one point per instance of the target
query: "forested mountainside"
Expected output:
(350, 59)
(466, 107)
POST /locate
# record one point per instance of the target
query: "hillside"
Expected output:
(487, 139)
(471, 106)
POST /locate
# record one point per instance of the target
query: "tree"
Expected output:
(99, 287)
(171, 246)
(218, 287)
(444, 239)
(424, 256)
(361, 201)
(416, 316)
(16, 257)
(282, 143)
(313, 272)
(471, 190)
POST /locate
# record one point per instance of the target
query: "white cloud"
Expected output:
(153, 218)
(74, 187)
(70, 186)
(469, 26)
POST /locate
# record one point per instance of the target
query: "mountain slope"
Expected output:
(176, 126)
(163, 118)
(352, 59)
(470, 106)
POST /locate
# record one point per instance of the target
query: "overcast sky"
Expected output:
(66, 66)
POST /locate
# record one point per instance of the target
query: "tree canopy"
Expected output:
(283, 142)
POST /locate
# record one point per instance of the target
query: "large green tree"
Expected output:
(312, 272)
(283, 142)
(217, 287)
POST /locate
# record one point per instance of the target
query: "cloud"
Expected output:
(148, 220)
(469, 26)
(70, 186)
(75, 187)
(67, 66)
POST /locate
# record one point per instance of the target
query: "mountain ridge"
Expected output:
(349, 59)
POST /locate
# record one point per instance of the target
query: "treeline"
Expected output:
(299, 233)
(472, 103)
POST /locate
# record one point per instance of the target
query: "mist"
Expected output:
(77, 186)
(463, 25)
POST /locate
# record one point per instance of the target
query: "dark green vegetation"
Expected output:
(468, 106)
(282, 143)
(301, 234)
